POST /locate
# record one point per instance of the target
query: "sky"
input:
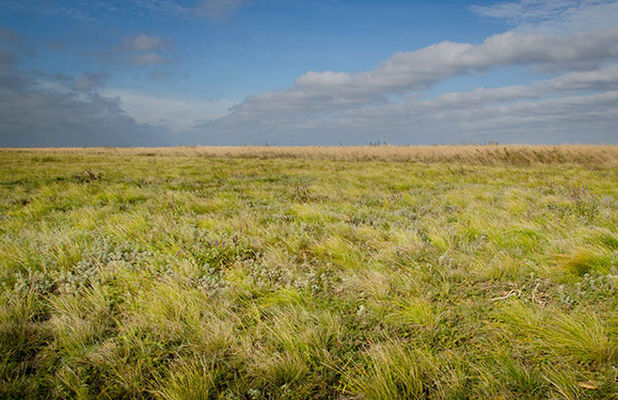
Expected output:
(307, 72)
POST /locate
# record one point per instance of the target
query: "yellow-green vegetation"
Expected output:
(184, 274)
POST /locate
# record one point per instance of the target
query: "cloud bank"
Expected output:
(577, 105)
(570, 47)
(68, 113)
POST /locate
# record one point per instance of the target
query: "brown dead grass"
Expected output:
(605, 155)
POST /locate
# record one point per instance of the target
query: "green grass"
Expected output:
(171, 276)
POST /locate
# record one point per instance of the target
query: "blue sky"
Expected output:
(164, 72)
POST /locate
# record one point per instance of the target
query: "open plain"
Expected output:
(383, 272)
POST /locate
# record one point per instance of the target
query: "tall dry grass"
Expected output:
(606, 155)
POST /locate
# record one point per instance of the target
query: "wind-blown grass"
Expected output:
(305, 273)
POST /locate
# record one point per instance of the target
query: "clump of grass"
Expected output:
(604, 238)
(396, 370)
(280, 369)
(190, 379)
(78, 321)
(583, 260)
(521, 317)
(586, 203)
(340, 251)
(23, 336)
(519, 378)
(393, 371)
(302, 192)
(87, 176)
(173, 314)
(416, 313)
(563, 383)
(583, 336)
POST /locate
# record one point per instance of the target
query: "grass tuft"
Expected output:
(583, 336)
(582, 261)
(192, 379)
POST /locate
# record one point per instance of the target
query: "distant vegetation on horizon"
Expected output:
(470, 153)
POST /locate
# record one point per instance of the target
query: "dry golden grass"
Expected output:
(606, 155)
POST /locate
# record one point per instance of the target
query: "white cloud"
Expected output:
(506, 115)
(176, 114)
(579, 106)
(601, 79)
(481, 96)
(323, 92)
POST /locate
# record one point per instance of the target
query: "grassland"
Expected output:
(321, 273)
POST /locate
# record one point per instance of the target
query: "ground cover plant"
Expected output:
(394, 273)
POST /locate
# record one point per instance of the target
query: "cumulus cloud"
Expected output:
(333, 107)
(601, 79)
(507, 115)
(316, 92)
(176, 114)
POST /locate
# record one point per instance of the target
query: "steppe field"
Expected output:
(382, 272)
